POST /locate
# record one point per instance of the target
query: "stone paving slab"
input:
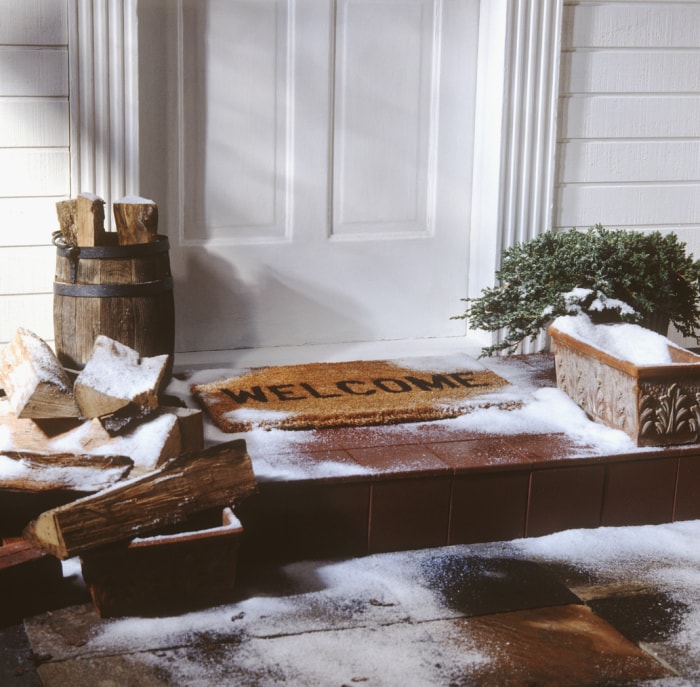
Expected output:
(471, 616)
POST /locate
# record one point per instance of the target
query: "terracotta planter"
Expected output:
(167, 573)
(656, 405)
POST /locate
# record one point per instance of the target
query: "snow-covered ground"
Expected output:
(381, 619)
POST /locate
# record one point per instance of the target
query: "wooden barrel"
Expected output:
(123, 292)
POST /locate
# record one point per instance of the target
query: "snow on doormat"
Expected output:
(350, 394)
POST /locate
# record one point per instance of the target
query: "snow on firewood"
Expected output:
(137, 200)
(29, 472)
(114, 376)
(34, 381)
(166, 434)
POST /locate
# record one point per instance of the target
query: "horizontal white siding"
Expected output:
(34, 122)
(633, 116)
(629, 116)
(32, 311)
(33, 22)
(628, 152)
(33, 71)
(34, 157)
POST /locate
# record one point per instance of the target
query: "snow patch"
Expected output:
(630, 342)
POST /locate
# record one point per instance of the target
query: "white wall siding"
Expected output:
(34, 157)
(629, 117)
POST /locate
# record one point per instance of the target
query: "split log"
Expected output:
(34, 381)
(136, 220)
(163, 434)
(90, 220)
(125, 419)
(35, 472)
(23, 434)
(191, 424)
(115, 376)
(150, 444)
(191, 483)
(67, 220)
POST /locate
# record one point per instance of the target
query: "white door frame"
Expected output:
(517, 92)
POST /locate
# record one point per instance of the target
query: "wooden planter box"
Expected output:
(656, 405)
(168, 573)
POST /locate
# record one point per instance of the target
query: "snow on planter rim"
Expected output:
(625, 341)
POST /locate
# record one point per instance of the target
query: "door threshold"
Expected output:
(316, 353)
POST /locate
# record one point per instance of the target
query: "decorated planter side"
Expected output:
(167, 573)
(656, 405)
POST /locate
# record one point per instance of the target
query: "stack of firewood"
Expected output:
(82, 220)
(117, 394)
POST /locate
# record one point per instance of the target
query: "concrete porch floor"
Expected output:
(613, 606)
(428, 554)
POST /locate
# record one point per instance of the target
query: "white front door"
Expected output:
(325, 165)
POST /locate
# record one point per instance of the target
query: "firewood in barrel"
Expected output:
(193, 482)
(35, 383)
(90, 220)
(136, 220)
(115, 376)
(67, 220)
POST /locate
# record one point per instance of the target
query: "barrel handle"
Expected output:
(72, 253)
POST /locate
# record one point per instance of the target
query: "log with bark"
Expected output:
(67, 211)
(136, 220)
(34, 381)
(193, 482)
(24, 471)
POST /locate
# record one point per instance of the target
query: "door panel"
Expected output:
(325, 170)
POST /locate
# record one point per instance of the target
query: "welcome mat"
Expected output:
(349, 394)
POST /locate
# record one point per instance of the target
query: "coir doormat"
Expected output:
(347, 394)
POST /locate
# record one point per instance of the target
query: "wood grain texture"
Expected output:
(136, 222)
(42, 472)
(90, 220)
(33, 379)
(144, 320)
(196, 481)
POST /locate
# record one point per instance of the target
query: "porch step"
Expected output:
(429, 485)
